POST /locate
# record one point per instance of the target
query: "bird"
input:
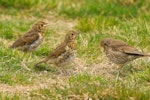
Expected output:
(119, 52)
(64, 53)
(33, 38)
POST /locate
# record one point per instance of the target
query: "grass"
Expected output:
(92, 76)
(99, 7)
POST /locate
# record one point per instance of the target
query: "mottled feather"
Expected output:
(31, 39)
(64, 53)
(26, 39)
(120, 52)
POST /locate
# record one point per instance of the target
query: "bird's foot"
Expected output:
(63, 71)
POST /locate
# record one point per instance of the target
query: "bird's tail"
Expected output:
(43, 61)
(146, 55)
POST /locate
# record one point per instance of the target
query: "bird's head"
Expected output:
(40, 26)
(110, 42)
(71, 36)
(106, 42)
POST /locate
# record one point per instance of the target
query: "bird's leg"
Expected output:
(119, 71)
(118, 74)
(61, 70)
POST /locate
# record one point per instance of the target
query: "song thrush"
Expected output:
(65, 52)
(120, 52)
(32, 38)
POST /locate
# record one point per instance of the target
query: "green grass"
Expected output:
(99, 7)
(27, 4)
(95, 19)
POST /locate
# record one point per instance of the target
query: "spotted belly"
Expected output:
(119, 57)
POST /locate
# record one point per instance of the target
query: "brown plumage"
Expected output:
(120, 52)
(65, 52)
(32, 38)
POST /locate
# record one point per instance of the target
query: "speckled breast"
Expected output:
(66, 58)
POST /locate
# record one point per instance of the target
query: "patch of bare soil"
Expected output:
(104, 68)
(19, 89)
(61, 24)
(49, 82)
(5, 42)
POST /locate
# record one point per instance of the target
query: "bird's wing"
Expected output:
(58, 51)
(130, 50)
(123, 47)
(27, 38)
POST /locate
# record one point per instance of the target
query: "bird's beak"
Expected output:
(47, 24)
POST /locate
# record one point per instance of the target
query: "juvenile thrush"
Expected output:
(120, 52)
(32, 38)
(65, 52)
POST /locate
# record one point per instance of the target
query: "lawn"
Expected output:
(92, 76)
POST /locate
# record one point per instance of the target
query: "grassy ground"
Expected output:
(92, 75)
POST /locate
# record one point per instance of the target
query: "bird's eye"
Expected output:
(105, 43)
